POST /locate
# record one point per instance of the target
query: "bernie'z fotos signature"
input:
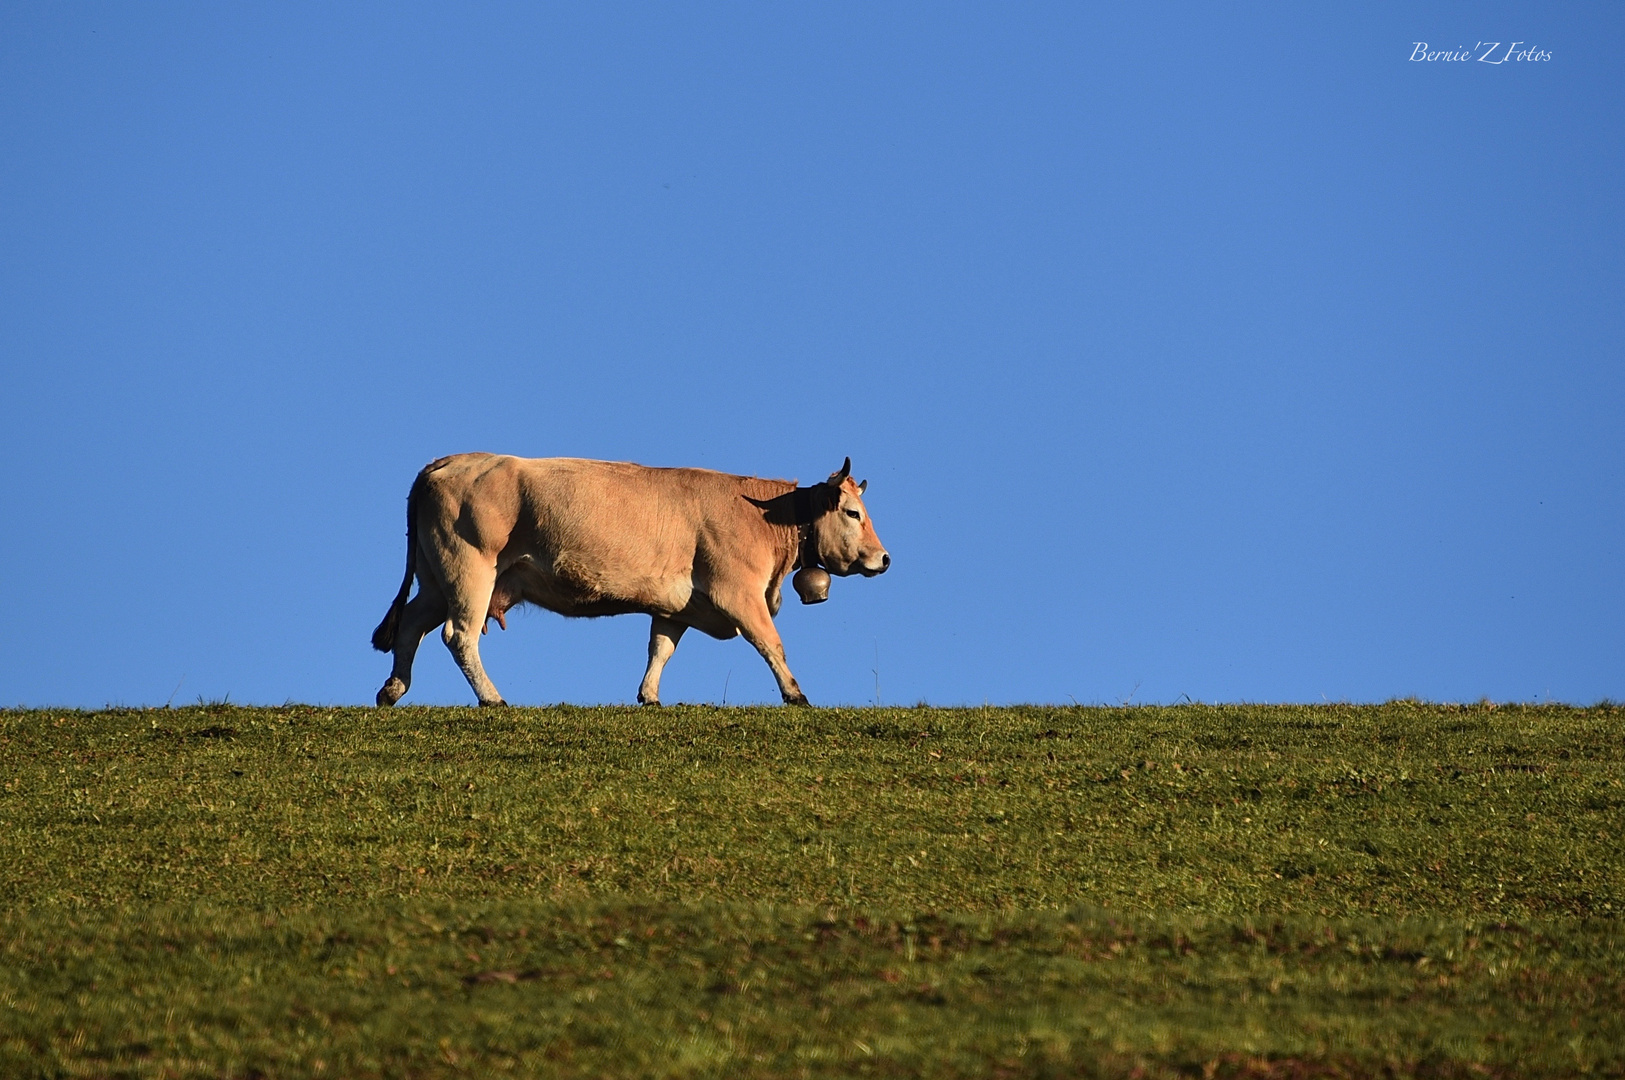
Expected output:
(1492, 54)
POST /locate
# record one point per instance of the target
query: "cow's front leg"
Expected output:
(751, 616)
(663, 638)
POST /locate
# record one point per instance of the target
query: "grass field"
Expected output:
(1394, 890)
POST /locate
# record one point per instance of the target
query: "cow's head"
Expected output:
(841, 530)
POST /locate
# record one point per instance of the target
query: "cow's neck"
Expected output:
(791, 514)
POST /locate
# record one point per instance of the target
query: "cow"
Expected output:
(687, 547)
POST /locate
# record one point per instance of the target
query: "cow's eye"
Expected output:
(854, 515)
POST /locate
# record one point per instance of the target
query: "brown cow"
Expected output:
(689, 547)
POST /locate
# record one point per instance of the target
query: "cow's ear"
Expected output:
(863, 485)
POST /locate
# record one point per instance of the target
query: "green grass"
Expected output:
(1404, 889)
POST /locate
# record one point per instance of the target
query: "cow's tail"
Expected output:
(383, 638)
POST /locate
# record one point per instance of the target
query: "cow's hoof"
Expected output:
(798, 699)
(494, 703)
(391, 692)
(652, 702)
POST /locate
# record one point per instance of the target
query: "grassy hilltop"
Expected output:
(1403, 889)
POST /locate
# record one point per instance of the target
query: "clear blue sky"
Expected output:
(1213, 351)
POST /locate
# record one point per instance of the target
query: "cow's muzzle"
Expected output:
(876, 571)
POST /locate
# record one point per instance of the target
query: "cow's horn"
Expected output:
(863, 485)
(836, 478)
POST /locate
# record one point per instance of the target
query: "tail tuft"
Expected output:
(383, 638)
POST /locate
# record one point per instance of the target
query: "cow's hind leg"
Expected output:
(469, 584)
(426, 611)
(663, 638)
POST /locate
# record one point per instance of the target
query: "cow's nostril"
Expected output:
(885, 562)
